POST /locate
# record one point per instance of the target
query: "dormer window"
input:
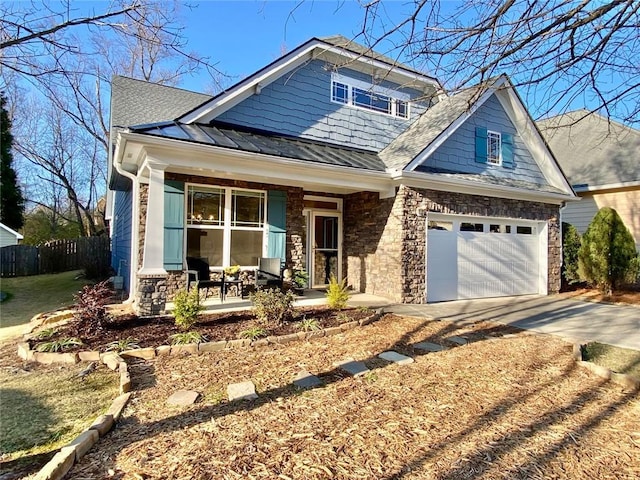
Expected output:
(369, 97)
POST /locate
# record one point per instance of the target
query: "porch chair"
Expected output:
(269, 273)
(198, 269)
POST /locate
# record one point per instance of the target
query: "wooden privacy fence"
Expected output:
(55, 256)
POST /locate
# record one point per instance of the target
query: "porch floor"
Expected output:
(308, 298)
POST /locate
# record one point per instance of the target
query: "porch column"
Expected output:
(153, 251)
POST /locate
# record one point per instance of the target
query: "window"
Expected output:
(225, 225)
(362, 95)
(493, 148)
(371, 101)
(471, 227)
(340, 92)
(438, 225)
(522, 230)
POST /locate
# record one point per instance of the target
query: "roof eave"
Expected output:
(273, 71)
(202, 159)
(459, 185)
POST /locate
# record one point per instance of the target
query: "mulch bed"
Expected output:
(511, 407)
(155, 331)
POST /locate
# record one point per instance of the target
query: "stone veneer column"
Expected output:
(152, 277)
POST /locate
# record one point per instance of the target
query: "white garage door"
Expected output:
(484, 257)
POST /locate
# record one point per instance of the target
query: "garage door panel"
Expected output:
(465, 265)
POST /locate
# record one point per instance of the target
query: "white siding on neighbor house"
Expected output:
(457, 153)
(626, 203)
(299, 104)
(7, 238)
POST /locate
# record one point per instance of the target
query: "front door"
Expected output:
(325, 233)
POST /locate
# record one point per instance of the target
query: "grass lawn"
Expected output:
(507, 407)
(621, 360)
(35, 294)
(45, 407)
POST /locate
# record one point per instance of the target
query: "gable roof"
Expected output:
(431, 124)
(334, 50)
(593, 151)
(136, 102)
(409, 151)
(11, 231)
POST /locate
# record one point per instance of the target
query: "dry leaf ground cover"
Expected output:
(513, 407)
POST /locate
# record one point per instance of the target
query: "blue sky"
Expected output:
(243, 36)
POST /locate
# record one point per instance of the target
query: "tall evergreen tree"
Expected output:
(11, 200)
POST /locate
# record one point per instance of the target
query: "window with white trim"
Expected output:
(225, 225)
(494, 148)
(369, 97)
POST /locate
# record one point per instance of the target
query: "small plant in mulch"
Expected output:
(272, 307)
(91, 306)
(58, 345)
(308, 324)
(45, 334)
(253, 333)
(186, 308)
(184, 338)
(123, 344)
(337, 293)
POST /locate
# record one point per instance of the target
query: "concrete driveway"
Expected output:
(573, 320)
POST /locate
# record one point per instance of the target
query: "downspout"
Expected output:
(133, 260)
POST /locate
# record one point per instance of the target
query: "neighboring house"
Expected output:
(601, 159)
(339, 161)
(8, 236)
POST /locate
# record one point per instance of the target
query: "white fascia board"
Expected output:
(412, 77)
(304, 53)
(440, 139)
(210, 160)
(245, 89)
(12, 231)
(459, 185)
(607, 186)
(526, 127)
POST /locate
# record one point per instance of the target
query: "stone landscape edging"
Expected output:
(113, 360)
(71, 453)
(627, 381)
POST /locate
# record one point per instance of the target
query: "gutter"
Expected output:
(135, 215)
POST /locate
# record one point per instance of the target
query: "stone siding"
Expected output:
(175, 280)
(372, 247)
(384, 240)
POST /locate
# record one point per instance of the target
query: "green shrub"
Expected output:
(606, 257)
(272, 306)
(570, 247)
(186, 307)
(337, 293)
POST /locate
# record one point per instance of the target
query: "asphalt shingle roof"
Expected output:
(136, 102)
(249, 140)
(591, 150)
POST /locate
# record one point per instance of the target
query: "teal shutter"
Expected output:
(277, 224)
(481, 145)
(173, 224)
(507, 151)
